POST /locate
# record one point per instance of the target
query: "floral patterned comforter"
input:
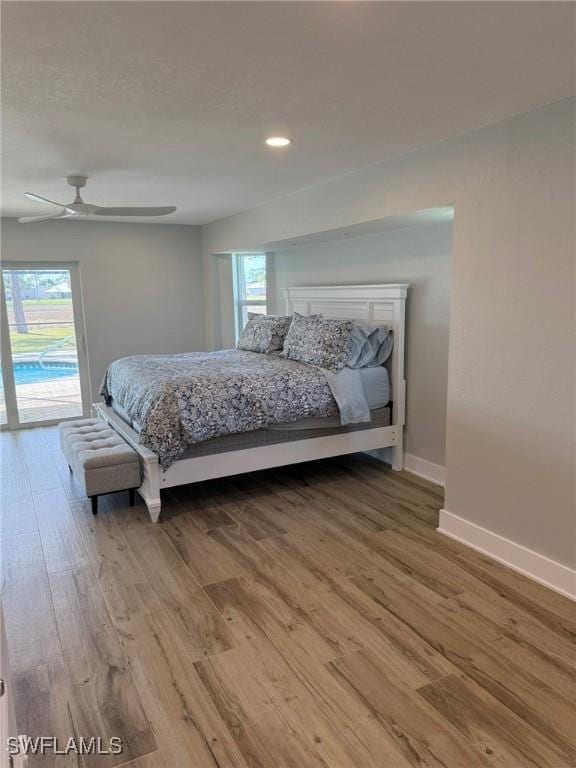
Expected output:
(179, 400)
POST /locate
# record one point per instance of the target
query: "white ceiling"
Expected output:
(163, 103)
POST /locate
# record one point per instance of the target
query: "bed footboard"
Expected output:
(210, 467)
(150, 488)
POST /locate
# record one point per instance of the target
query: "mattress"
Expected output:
(273, 436)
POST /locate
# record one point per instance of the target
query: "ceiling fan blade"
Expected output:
(38, 199)
(163, 211)
(32, 219)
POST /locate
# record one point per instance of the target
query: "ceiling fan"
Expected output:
(79, 209)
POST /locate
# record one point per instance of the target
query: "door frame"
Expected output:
(13, 421)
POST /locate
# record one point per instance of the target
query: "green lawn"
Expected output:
(37, 340)
(55, 303)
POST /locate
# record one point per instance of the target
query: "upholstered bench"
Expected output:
(99, 458)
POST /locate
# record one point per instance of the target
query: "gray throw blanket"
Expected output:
(179, 400)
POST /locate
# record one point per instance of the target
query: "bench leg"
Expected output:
(94, 500)
(131, 496)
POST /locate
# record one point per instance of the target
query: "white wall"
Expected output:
(510, 423)
(422, 257)
(141, 283)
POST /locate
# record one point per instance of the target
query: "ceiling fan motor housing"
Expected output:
(77, 181)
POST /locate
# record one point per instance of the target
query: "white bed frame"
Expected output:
(379, 303)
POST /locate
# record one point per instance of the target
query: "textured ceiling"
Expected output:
(163, 103)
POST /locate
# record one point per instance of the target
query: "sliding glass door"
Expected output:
(44, 368)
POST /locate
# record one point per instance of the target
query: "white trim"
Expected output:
(352, 293)
(542, 569)
(434, 473)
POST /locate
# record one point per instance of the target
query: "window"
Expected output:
(249, 286)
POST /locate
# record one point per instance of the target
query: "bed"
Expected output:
(313, 432)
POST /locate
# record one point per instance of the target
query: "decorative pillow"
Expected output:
(320, 341)
(264, 333)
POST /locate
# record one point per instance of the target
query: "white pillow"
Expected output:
(371, 345)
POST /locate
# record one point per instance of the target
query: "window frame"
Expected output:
(241, 302)
(11, 403)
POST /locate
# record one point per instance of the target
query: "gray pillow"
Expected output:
(320, 341)
(371, 345)
(264, 333)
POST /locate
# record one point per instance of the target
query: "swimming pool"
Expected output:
(34, 373)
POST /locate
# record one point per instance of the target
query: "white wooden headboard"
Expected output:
(383, 304)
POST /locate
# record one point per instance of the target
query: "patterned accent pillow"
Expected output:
(264, 333)
(321, 341)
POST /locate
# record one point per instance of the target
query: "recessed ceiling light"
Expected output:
(278, 141)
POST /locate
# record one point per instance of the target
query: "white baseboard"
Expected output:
(548, 572)
(423, 468)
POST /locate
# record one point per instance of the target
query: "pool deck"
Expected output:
(56, 399)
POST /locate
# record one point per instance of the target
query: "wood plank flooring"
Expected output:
(292, 618)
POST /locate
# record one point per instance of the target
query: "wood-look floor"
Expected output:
(309, 616)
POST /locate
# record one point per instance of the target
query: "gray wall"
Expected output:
(141, 283)
(510, 420)
(421, 257)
